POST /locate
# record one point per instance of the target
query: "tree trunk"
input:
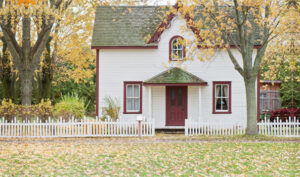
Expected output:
(46, 73)
(26, 70)
(251, 106)
(26, 86)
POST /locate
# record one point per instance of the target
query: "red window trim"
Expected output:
(141, 96)
(170, 47)
(214, 97)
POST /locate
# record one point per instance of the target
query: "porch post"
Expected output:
(150, 102)
(200, 104)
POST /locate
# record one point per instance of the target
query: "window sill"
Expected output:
(132, 112)
(214, 112)
(177, 60)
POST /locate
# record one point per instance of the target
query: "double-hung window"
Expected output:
(221, 97)
(177, 48)
(132, 97)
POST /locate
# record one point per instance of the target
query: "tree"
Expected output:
(246, 26)
(26, 47)
(282, 61)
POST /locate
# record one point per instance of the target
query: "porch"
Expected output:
(173, 96)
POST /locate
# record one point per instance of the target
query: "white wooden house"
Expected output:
(131, 68)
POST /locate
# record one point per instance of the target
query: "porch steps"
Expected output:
(170, 131)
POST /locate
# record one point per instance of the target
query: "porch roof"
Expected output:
(175, 76)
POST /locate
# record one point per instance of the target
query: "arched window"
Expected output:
(176, 48)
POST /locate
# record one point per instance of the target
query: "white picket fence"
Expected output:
(74, 128)
(194, 127)
(290, 128)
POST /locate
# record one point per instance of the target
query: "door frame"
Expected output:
(186, 107)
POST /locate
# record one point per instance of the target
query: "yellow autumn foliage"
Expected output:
(9, 110)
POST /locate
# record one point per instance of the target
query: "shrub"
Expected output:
(70, 106)
(112, 108)
(86, 90)
(43, 110)
(9, 110)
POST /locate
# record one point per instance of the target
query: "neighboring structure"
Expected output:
(131, 69)
(269, 96)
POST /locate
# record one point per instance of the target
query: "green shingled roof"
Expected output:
(117, 26)
(175, 76)
(130, 25)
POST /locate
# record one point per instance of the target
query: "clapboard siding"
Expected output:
(159, 106)
(193, 102)
(119, 65)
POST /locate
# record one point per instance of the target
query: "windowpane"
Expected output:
(136, 90)
(218, 104)
(224, 103)
(175, 44)
(173, 54)
(218, 91)
(173, 96)
(136, 103)
(179, 97)
(179, 47)
(129, 104)
(129, 91)
(179, 54)
(225, 91)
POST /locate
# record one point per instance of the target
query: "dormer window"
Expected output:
(177, 48)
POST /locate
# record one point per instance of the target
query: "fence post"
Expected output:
(185, 127)
(139, 118)
(153, 127)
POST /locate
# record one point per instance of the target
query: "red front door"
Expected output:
(176, 105)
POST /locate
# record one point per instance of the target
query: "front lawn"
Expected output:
(80, 158)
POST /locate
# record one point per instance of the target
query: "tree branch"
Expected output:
(234, 61)
(14, 50)
(241, 30)
(225, 39)
(41, 36)
(10, 36)
(41, 47)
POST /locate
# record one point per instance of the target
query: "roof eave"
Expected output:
(175, 84)
(125, 47)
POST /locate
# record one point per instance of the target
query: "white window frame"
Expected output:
(173, 50)
(221, 97)
(133, 97)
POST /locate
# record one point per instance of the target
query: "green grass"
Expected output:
(88, 158)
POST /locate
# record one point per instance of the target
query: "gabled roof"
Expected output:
(125, 25)
(175, 76)
(128, 26)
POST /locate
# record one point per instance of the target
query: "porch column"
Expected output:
(150, 102)
(200, 104)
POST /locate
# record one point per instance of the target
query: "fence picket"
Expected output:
(290, 128)
(84, 127)
(74, 128)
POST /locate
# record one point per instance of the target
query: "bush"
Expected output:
(9, 110)
(83, 90)
(112, 108)
(70, 106)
